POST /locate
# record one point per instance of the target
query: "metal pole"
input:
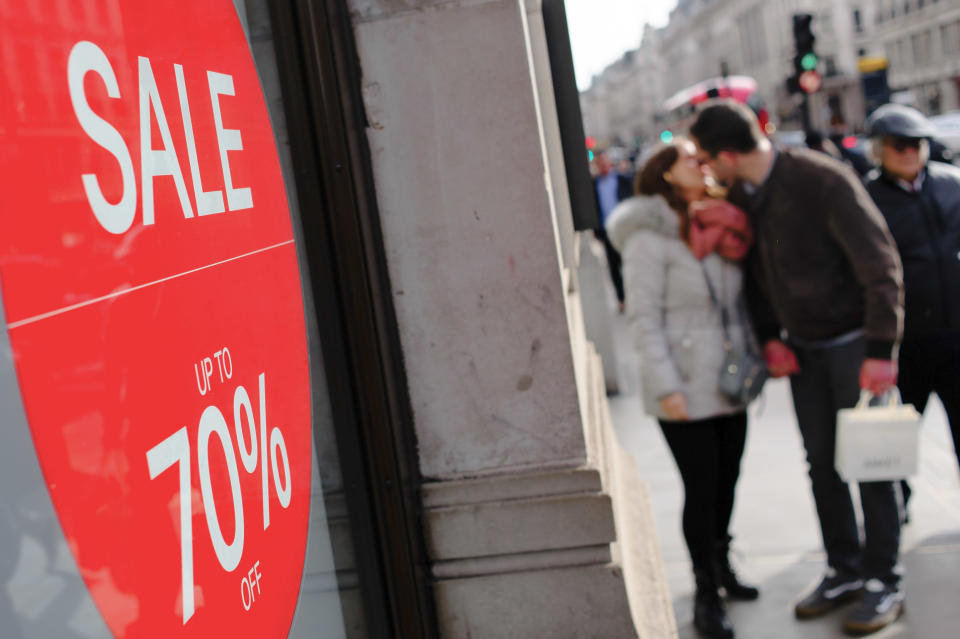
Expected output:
(805, 111)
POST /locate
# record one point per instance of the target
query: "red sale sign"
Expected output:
(153, 303)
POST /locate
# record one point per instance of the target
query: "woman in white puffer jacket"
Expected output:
(676, 242)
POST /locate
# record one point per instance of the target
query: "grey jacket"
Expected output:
(676, 328)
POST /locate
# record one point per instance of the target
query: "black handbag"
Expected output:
(744, 372)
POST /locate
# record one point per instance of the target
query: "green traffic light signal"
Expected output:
(809, 61)
(666, 137)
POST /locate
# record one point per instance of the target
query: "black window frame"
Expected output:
(373, 423)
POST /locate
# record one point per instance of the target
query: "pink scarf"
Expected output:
(717, 225)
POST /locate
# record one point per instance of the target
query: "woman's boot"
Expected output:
(728, 579)
(709, 617)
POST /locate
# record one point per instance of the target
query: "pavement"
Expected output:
(776, 538)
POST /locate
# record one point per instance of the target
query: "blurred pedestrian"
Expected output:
(625, 166)
(851, 152)
(610, 187)
(682, 255)
(815, 140)
(828, 303)
(921, 203)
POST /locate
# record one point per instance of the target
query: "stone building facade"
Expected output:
(921, 41)
(708, 38)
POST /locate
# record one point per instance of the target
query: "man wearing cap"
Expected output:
(921, 203)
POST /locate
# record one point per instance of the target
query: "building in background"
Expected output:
(624, 100)
(919, 40)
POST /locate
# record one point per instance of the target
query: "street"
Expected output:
(776, 539)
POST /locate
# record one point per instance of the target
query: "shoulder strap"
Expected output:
(724, 319)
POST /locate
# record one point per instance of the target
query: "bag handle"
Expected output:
(866, 396)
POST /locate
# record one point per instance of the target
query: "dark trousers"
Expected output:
(828, 381)
(614, 263)
(707, 452)
(933, 365)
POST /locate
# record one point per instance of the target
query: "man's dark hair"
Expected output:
(726, 125)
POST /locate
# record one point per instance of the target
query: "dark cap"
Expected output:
(899, 120)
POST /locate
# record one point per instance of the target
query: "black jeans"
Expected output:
(707, 452)
(933, 365)
(828, 381)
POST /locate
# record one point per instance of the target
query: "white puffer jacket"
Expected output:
(676, 328)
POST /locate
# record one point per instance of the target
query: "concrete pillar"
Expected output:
(593, 275)
(580, 266)
(508, 398)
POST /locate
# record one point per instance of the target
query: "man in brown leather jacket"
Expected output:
(827, 302)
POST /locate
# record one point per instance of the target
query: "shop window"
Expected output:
(830, 66)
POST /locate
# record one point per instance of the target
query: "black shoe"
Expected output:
(834, 591)
(736, 589)
(731, 584)
(728, 579)
(709, 617)
(880, 606)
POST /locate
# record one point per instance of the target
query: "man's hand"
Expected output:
(674, 406)
(878, 375)
(781, 360)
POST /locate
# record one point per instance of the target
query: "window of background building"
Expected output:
(835, 105)
(934, 99)
(906, 7)
(830, 66)
(825, 27)
(950, 37)
(921, 47)
(753, 37)
(857, 24)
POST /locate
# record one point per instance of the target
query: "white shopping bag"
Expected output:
(877, 443)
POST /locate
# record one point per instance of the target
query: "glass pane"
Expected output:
(330, 602)
(168, 452)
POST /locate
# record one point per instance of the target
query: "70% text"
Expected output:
(175, 449)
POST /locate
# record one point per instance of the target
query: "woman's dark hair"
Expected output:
(650, 180)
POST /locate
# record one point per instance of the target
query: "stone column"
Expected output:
(508, 396)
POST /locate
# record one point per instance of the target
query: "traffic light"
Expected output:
(805, 58)
(805, 77)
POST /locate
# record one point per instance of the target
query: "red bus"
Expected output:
(679, 108)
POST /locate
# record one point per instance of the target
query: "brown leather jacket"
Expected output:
(824, 262)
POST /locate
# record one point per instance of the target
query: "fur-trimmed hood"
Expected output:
(641, 212)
